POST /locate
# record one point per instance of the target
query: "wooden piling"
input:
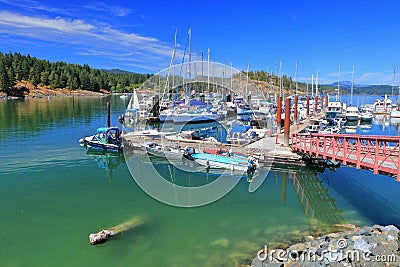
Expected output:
(296, 99)
(286, 130)
(279, 114)
(322, 103)
(108, 115)
(308, 107)
(316, 105)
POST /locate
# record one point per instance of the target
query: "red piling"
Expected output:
(322, 103)
(286, 130)
(279, 116)
(296, 99)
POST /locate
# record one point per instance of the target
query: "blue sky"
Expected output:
(139, 35)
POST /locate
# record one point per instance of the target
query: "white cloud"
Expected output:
(385, 77)
(115, 10)
(90, 39)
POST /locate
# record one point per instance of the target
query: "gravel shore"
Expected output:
(366, 246)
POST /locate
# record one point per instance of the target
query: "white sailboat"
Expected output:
(133, 107)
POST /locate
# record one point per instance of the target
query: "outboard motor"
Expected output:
(188, 152)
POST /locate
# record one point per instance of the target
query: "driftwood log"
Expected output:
(104, 234)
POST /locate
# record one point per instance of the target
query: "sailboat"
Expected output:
(352, 113)
(133, 107)
(395, 113)
(336, 107)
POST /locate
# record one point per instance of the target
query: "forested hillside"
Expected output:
(15, 67)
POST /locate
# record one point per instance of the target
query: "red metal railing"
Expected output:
(377, 153)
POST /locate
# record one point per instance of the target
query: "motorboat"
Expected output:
(334, 108)
(151, 133)
(367, 116)
(195, 116)
(314, 127)
(352, 113)
(162, 150)
(330, 130)
(382, 107)
(228, 161)
(105, 138)
(240, 135)
(395, 114)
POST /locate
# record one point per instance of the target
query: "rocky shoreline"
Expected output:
(366, 246)
(27, 90)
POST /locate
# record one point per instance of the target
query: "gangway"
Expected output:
(379, 154)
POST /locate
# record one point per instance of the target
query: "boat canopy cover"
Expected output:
(240, 129)
(105, 129)
(194, 102)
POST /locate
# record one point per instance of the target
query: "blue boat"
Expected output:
(104, 138)
(230, 161)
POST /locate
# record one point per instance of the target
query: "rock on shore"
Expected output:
(366, 246)
(27, 90)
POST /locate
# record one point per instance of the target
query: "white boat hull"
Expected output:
(352, 117)
(181, 118)
(92, 142)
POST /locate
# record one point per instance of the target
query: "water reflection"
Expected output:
(108, 161)
(27, 117)
(317, 206)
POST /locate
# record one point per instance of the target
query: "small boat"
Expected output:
(239, 135)
(395, 114)
(151, 133)
(229, 161)
(333, 109)
(124, 96)
(352, 113)
(332, 164)
(194, 116)
(366, 116)
(330, 130)
(104, 138)
(162, 150)
(314, 127)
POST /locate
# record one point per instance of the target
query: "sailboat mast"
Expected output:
(307, 82)
(312, 85)
(338, 86)
(394, 77)
(247, 80)
(297, 89)
(208, 71)
(231, 89)
(352, 87)
(316, 85)
(190, 58)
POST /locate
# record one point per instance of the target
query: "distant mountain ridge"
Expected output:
(363, 88)
(347, 84)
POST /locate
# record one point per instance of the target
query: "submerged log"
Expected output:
(104, 234)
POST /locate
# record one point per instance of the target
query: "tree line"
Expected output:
(15, 67)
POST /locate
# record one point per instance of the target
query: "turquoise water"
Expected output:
(54, 193)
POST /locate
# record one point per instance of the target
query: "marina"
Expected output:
(199, 134)
(35, 178)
